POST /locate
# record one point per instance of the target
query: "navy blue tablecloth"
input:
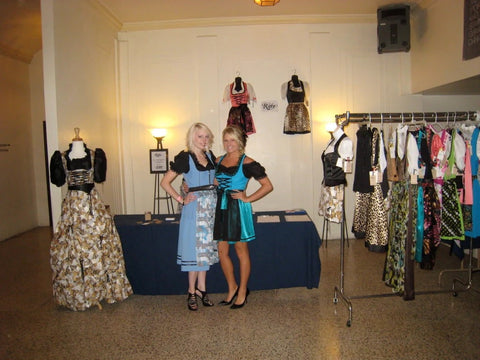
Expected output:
(284, 254)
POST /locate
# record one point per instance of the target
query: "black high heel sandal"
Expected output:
(204, 297)
(238, 306)
(225, 302)
(192, 302)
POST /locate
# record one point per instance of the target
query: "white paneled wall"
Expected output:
(172, 78)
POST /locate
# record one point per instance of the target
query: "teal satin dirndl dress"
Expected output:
(233, 217)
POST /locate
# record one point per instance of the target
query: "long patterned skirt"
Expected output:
(377, 222)
(86, 254)
(394, 272)
(452, 219)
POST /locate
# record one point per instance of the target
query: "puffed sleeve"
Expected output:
(226, 94)
(306, 88)
(283, 90)
(57, 172)
(255, 170)
(180, 163)
(251, 92)
(100, 166)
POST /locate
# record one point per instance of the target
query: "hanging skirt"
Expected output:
(431, 227)
(242, 117)
(196, 248)
(377, 222)
(394, 272)
(452, 219)
(297, 119)
(420, 224)
(360, 214)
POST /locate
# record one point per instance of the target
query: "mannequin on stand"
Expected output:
(78, 146)
(337, 159)
(86, 254)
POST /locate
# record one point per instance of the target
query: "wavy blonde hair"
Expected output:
(238, 134)
(193, 130)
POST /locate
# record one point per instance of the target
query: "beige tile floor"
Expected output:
(294, 323)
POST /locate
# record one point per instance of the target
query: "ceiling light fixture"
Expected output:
(266, 2)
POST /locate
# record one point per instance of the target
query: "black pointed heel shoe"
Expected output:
(238, 306)
(225, 302)
(204, 297)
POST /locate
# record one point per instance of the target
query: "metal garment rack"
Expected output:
(416, 118)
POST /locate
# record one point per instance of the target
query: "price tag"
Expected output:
(413, 179)
(340, 193)
(348, 166)
(373, 175)
(441, 155)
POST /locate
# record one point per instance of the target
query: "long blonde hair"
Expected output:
(192, 131)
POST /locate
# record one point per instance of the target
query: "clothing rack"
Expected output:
(412, 117)
(416, 118)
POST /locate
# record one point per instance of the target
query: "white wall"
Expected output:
(17, 194)
(172, 78)
(437, 46)
(37, 117)
(80, 89)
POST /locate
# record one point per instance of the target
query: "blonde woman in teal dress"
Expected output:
(233, 217)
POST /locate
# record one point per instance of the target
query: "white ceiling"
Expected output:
(20, 20)
(158, 10)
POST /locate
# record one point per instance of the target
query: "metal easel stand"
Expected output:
(470, 271)
(157, 198)
(326, 228)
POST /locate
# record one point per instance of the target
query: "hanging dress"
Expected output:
(196, 249)
(376, 238)
(239, 113)
(394, 270)
(86, 254)
(474, 160)
(297, 119)
(361, 182)
(431, 206)
(452, 220)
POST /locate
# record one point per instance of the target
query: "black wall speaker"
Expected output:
(393, 28)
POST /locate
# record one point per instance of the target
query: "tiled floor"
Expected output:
(292, 323)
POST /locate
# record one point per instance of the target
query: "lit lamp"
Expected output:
(266, 2)
(330, 127)
(159, 134)
(159, 165)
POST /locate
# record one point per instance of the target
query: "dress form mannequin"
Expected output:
(78, 147)
(345, 149)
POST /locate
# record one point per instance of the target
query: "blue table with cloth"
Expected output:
(284, 254)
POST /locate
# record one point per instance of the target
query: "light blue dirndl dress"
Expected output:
(196, 248)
